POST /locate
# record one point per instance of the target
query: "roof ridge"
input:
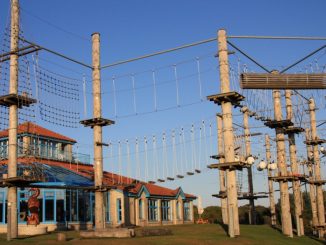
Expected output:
(25, 127)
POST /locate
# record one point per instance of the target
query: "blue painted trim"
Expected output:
(50, 183)
(143, 189)
(181, 193)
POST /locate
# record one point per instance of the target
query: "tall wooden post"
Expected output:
(270, 182)
(319, 189)
(281, 163)
(252, 212)
(312, 189)
(13, 119)
(232, 198)
(295, 168)
(97, 113)
(222, 172)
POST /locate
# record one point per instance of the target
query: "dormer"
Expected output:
(34, 140)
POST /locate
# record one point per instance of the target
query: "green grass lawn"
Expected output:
(183, 234)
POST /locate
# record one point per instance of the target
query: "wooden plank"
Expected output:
(315, 142)
(278, 123)
(282, 81)
(14, 99)
(233, 97)
(98, 121)
(229, 165)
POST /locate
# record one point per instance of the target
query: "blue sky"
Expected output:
(132, 28)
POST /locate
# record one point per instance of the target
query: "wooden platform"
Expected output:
(103, 188)
(217, 157)
(247, 196)
(238, 165)
(278, 124)
(20, 181)
(221, 194)
(302, 178)
(282, 81)
(293, 130)
(98, 121)
(315, 142)
(14, 99)
(233, 97)
(102, 144)
(319, 227)
(317, 182)
(241, 196)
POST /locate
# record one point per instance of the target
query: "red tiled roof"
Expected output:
(87, 170)
(31, 128)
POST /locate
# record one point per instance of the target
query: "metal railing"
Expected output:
(45, 152)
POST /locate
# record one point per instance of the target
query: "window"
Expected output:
(20, 145)
(4, 149)
(165, 210)
(119, 210)
(107, 207)
(140, 208)
(22, 206)
(49, 206)
(60, 206)
(178, 210)
(186, 211)
(152, 210)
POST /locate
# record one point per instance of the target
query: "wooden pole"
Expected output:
(294, 168)
(319, 188)
(312, 189)
(232, 197)
(13, 120)
(270, 182)
(252, 212)
(222, 172)
(97, 113)
(281, 163)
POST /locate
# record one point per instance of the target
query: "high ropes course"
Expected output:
(47, 91)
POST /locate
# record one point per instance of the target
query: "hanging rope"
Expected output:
(134, 93)
(146, 159)
(199, 79)
(128, 161)
(114, 97)
(182, 161)
(197, 168)
(120, 162)
(193, 147)
(176, 84)
(137, 158)
(155, 159)
(154, 90)
(174, 154)
(112, 161)
(165, 164)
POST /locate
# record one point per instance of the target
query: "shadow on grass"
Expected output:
(224, 227)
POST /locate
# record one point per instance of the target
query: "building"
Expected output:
(66, 183)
